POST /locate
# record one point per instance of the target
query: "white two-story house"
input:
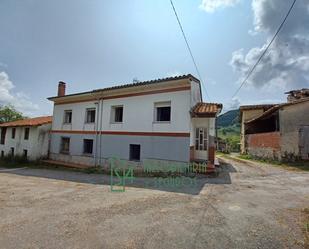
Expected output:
(163, 119)
(28, 138)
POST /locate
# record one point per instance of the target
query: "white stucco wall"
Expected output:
(138, 114)
(36, 145)
(195, 93)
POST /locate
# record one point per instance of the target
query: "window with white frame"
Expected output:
(162, 111)
(65, 145)
(67, 119)
(117, 114)
(90, 115)
(201, 140)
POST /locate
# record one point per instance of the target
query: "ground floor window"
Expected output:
(2, 153)
(201, 139)
(65, 145)
(88, 146)
(25, 153)
(135, 152)
(12, 151)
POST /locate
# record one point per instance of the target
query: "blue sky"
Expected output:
(93, 44)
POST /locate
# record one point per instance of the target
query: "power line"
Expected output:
(264, 52)
(189, 49)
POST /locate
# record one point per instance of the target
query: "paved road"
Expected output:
(247, 206)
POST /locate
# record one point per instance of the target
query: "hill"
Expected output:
(229, 129)
(228, 119)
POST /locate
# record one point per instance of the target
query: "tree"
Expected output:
(9, 113)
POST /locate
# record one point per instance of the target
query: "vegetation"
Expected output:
(9, 113)
(229, 130)
(302, 165)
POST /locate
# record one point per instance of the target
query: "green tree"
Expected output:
(9, 113)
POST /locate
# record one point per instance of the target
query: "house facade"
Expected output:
(278, 132)
(28, 138)
(162, 120)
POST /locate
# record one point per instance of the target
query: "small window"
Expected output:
(163, 112)
(65, 145)
(13, 133)
(2, 153)
(117, 114)
(90, 115)
(135, 152)
(67, 117)
(27, 131)
(25, 153)
(88, 146)
(12, 151)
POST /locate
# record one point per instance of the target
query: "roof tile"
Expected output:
(29, 122)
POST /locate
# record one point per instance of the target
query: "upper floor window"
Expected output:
(65, 145)
(13, 133)
(90, 115)
(3, 132)
(26, 135)
(163, 111)
(117, 114)
(67, 117)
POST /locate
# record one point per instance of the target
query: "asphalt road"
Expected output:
(246, 206)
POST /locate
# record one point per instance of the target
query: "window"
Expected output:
(65, 145)
(135, 152)
(27, 131)
(90, 115)
(67, 117)
(117, 114)
(2, 153)
(25, 153)
(88, 146)
(3, 132)
(163, 112)
(12, 151)
(13, 133)
(201, 139)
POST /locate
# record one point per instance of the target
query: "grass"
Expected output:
(301, 165)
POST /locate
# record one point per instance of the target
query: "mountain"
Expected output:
(229, 118)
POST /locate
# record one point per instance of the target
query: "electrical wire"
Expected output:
(264, 52)
(189, 49)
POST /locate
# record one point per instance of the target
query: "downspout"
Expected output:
(100, 135)
(96, 135)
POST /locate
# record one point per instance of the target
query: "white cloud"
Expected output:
(232, 105)
(19, 100)
(286, 64)
(212, 5)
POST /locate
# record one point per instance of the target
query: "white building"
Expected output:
(162, 119)
(27, 137)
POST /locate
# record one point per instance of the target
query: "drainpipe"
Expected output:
(100, 135)
(96, 134)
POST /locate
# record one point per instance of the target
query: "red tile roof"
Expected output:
(202, 109)
(29, 122)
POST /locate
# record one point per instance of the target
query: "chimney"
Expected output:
(61, 89)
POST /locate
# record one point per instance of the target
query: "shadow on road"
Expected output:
(188, 185)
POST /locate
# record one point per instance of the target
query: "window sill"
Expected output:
(161, 122)
(67, 123)
(89, 122)
(116, 122)
(64, 152)
(88, 154)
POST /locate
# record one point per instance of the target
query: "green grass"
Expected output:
(301, 165)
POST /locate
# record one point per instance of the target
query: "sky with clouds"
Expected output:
(95, 44)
